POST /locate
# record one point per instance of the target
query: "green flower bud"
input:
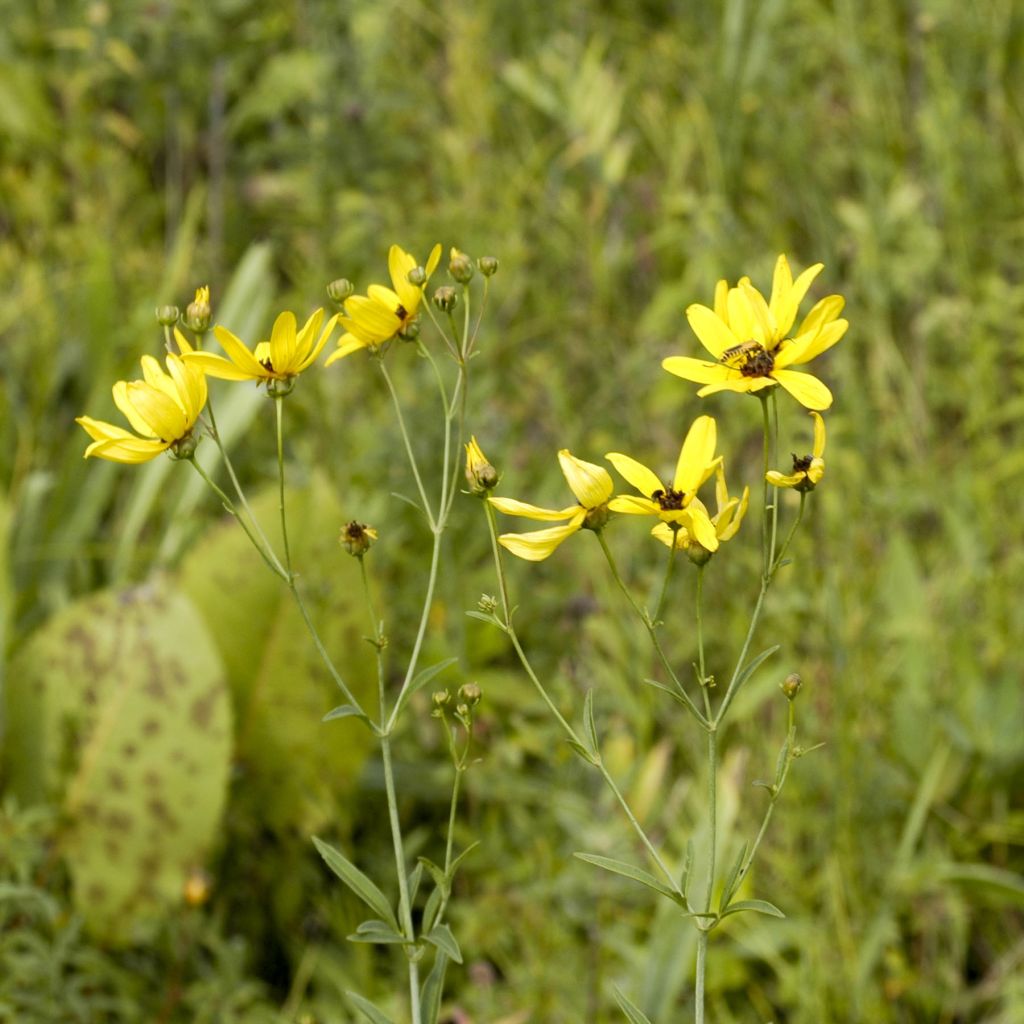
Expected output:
(791, 686)
(198, 312)
(446, 298)
(460, 266)
(488, 603)
(184, 447)
(410, 331)
(470, 694)
(417, 276)
(596, 518)
(488, 265)
(698, 554)
(340, 290)
(167, 315)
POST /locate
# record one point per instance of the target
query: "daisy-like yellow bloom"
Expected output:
(750, 340)
(383, 312)
(726, 520)
(592, 487)
(676, 503)
(807, 469)
(162, 408)
(286, 355)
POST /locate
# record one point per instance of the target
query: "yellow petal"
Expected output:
(646, 481)
(696, 454)
(807, 390)
(316, 349)
(100, 430)
(130, 451)
(742, 318)
(702, 528)
(165, 417)
(680, 536)
(512, 507)
(739, 384)
(219, 367)
(816, 470)
(184, 345)
(822, 312)
(777, 479)
(590, 484)
(726, 530)
(782, 282)
(785, 314)
(400, 265)
(239, 355)
(763, 325)
(819, 435)
(282, 343)
(372, 320)
(347, 344)
(721, 308)
(433, 259)
(190, 383)
(700, 371)
(536, 546)
(713, 333)
(633, 505)
(823, 340)
(138, 423)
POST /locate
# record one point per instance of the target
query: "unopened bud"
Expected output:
(357, 538)
(596, 518)
(167, 315)
(198, 312)
(488, 603)
(791, 686)
(446, 298)
(460, 266)
(417, 276)
(488, 265)
(184, 447)
(410, 330)
(481, 476)
(340, 290)
(470, 694)
(697, 553)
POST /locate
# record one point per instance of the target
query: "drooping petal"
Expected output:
(701, 527)
(816, 470)
(696, 454)
(512, 507)
(777, 479)
(590, 484)
(131, 450)
(679, 536)
(347, 344)
(634, 505)
(538, 545)
(740, 384)
(700, 371)
(807, 390)
(646, 481)
(712, 332)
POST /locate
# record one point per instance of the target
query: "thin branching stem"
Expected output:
(408, 444)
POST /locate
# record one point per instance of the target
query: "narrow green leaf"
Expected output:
(343, 711)
(757, 906)
(588, 722)
(582, 751)
(674, 694)
(377, 932)
(415, 877)
(368, 1010)
(421, 679)
(415, 504)
(619, 867)
(461, 857)
(356, 881)
(436, 871)
(433, 989)
(684, 878)
(441, 937)
(1001, 882)
(432, 907)
(631, 1010)
(733, 878)
(752, 666)
(489, 617)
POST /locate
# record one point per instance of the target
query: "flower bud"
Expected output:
(470, 694)
(488, 265)
(410, 330)
(357, 538)
(596, 518)
(697, 553)
(460, 266)
(341, 289)
(417, 277)
(446, 298)
(167, 316)
(441, 698)
(198, 312)
(488, 604)
(791, 686)
(184, 447)
(481, 476)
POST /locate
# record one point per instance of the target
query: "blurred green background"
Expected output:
(618, 158)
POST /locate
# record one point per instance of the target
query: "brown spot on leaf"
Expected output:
(151, 726)
(203, 708)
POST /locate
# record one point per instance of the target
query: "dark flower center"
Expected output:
(670, 500)
(751, 358)
(802, 463)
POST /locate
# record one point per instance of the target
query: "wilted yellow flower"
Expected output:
(287, 354)
(163, 408)
(807, 469)
(592, 487)
(383, 312)
(726, 520)
(749, 338)
(357, 538)
(676, 503)
(481, 476)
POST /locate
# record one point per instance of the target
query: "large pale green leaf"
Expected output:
(297, 768)
(118, 708)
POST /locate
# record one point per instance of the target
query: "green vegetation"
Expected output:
(617, 158)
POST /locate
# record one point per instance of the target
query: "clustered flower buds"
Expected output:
(357, 538)
(488, 603)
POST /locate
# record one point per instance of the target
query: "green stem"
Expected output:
(279, 409)
(668, 578)
(789, 536)
(702, 960)
(775, 499)
(408, 445)
(701, 668)
(652, 633)
(765, 563)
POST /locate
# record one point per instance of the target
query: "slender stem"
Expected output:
(408, 445)
(730, 691)
(712, 815)
(765, 563)
(668, 578)
(279, 409)
(570, 732)
(651, 632)
(451, 817)
(775, 498)
(789, 536)
(702, 960)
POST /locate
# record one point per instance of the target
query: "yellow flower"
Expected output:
(162, 407)
(807, 469)
(481, 476)
(383, 312)
(592, 487)
(676, 503)
(287, 354)
(749, 338)
(726, 520)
